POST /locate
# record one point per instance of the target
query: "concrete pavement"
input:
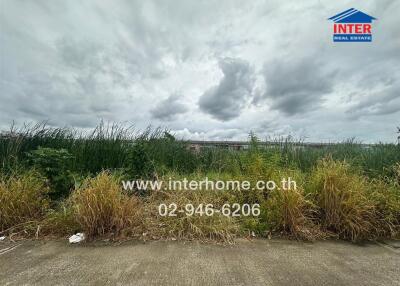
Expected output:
(258, 262)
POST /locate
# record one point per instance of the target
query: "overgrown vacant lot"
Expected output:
(55, 182)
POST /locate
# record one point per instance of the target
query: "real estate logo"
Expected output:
(352, 26)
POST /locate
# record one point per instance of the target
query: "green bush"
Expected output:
(54, 164)
(140, 164)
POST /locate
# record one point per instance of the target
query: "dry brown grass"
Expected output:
(23, 198)
(101, 208)
(58, 223)
(205, 228)
(291, 214)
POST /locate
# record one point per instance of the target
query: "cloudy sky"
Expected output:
(204, 69)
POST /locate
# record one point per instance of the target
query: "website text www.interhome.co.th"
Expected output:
(207, 184)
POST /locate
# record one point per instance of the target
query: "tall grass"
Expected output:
(348, 190)
(111, 146)
(104, 147)
(108, 146)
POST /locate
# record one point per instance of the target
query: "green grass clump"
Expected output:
(288, 211)
(385, 193)
(341, 195)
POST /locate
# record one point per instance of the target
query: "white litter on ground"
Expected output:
(2, 238)
(76, 238)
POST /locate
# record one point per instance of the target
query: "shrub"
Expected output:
(257, 167)
(140, 163)
(54, 164)
(159, 152)
(23, 198)
(101, 208)
(341, 195)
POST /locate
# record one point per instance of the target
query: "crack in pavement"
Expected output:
(8, 249)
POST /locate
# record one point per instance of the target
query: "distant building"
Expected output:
(197, 145)
(231, 145)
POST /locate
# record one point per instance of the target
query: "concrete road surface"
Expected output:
(259, 262)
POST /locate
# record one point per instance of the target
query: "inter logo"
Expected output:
(352, 26)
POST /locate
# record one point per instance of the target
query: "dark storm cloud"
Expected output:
(169, 108)
(384, 102)
(226, 100)
(296, 86)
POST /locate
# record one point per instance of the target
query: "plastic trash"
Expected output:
(76, 238)
(2, 238)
